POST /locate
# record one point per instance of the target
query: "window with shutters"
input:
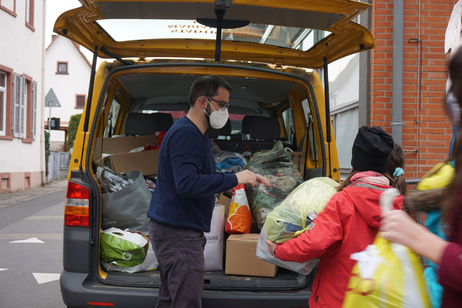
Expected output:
(29, 122)
(6, 102)
(9, 6)
(30, 14)
(2, 103)
(80, 101)
(19, 106)
(34, 110)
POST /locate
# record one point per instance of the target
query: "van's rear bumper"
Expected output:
(78, 290)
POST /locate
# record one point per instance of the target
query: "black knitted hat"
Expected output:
(371, 149)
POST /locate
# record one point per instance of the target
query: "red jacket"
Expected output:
(450, 272)
(347, 225)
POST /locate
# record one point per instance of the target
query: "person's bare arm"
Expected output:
(399, 227)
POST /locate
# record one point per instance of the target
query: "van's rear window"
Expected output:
(122, 30)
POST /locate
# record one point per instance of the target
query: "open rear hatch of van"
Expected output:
(273, 31)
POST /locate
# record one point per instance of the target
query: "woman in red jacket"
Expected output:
(402, 229)
(348, 224)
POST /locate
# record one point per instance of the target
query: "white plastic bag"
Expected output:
(263, 254)
(213, 251)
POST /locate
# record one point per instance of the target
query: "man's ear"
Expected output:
(203, 102)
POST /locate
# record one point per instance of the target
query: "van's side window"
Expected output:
(311, 133)
(112, 118)
(289, 125)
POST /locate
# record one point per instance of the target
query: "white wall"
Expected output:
(65, 86)
(21, 49)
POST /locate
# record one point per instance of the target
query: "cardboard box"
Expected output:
(299, 159)
(241, 257)
(221, 198)
(123, 144)
(145, 161)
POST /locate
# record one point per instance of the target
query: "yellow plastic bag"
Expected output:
(438, 177)
(386, 275)
(296, 213)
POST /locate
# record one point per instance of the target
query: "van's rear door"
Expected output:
(291, 32)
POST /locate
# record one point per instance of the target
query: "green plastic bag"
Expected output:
(126, 248)
(296, 213)
(278, 167)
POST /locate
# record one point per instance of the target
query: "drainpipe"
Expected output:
(397, 103)
(42, 102)
(364, 108)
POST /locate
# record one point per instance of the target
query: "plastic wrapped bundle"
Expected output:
(278, 167)
(295, 214)
(226, 161)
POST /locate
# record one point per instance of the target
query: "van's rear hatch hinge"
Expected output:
(279, 63)
(142, 57)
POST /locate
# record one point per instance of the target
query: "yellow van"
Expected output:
(269, 51)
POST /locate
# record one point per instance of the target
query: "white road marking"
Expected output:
(3, 269)
(20, 236)
(45, 277)
(32, 240)
(45, 217)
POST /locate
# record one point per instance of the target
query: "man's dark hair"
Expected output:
(206, 86)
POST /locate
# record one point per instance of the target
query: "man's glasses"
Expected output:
(223, 105)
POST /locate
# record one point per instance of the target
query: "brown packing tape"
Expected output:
(298, 158)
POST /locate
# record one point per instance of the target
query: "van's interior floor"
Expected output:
(284, 280)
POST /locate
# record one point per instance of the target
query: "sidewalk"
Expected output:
(10, 198)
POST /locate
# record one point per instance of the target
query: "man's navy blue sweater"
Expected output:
(186, 183)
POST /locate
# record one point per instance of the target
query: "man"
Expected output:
(183, 201)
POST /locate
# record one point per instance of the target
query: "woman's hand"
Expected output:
(271, 248)
(399, 227)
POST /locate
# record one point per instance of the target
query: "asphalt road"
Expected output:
(31, 230)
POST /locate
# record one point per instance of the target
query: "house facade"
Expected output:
(400, 85)
(22, 142)
(67, 74)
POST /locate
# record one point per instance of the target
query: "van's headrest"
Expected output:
(163, 121)
(265, 128)
(247, 123)
(139, 124)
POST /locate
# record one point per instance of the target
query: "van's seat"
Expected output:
(139, 124)
(223, 144)
(265, 130)
(163, 121)
(245, 125)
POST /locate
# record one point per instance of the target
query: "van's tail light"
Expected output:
(77, 206)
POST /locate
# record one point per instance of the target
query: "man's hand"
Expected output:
(248, 177)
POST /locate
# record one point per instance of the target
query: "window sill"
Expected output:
(27, 140)
(30, 26)
(80, 108)
(6, 138)
(62, 73)
(8, 11)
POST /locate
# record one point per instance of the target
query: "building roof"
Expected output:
(76, 46)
